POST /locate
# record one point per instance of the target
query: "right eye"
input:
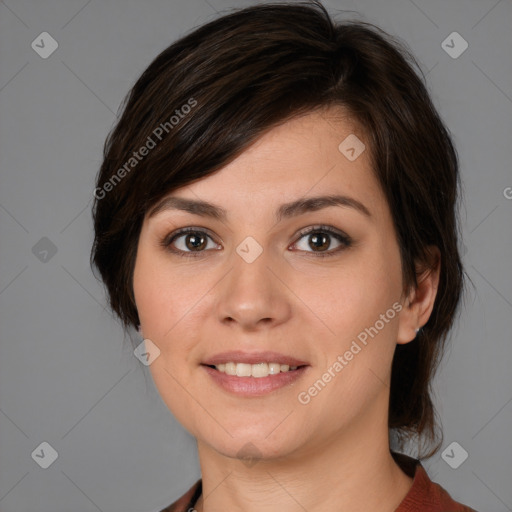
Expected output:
(187, 241)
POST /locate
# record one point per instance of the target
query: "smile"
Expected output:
(258, 370)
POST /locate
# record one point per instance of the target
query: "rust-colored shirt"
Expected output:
(423, 496)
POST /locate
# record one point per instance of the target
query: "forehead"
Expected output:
(320, 153)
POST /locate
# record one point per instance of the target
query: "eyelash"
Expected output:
(345, 240)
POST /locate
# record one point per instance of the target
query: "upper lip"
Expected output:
(238, 356)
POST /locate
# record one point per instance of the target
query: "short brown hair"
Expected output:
(239, 76)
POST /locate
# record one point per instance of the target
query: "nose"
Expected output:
(252, 296)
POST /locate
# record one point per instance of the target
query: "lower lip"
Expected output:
(254, 386)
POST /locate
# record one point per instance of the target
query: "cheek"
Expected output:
(363, 325)
(164, 297)
(153, 286)
(354, 294)
(157, 293)
(147, 290)
(169, 298)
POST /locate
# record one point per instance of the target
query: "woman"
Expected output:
(276, 214)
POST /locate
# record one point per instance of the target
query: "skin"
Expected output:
(332, 453)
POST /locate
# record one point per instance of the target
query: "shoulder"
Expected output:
(425, 495)
(186, 502)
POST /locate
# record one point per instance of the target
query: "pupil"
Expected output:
(194, 241)
(319, 241)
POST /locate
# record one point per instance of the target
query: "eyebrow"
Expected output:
(287, 210)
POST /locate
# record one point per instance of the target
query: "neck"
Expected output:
(349, 471)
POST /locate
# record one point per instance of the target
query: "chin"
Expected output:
(251, 444)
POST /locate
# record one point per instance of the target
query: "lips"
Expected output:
(253, 374)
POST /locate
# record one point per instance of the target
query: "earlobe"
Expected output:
(420, 303)
(408, 321)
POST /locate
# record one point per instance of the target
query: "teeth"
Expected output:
(274, 368)
(253, 370)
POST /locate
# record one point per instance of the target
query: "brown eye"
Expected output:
(320, 240)
(188, 241)
(195, 241)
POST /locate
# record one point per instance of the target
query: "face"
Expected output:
(267, 276)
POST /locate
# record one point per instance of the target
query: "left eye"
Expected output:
(320, 241)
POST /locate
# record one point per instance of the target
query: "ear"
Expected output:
(420, 301)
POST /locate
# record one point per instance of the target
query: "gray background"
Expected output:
(67, 375)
